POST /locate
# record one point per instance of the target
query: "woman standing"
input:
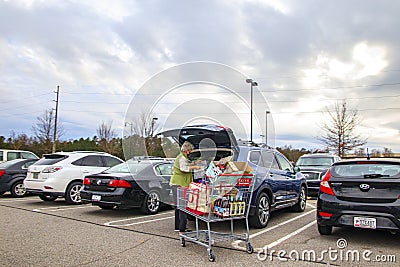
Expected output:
(181, 177)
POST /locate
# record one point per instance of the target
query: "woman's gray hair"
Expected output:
(186, 146)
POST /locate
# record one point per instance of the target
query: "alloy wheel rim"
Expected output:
(263, 208)
(76, 194)
(153, 202)
(20, 190)
(303, 199)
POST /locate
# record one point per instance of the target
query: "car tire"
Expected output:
(262, 212)
(48, 198)
(106, 207)
(18, 189)
(324, 229)
(151, 203)
(300, 206)
(73, 195)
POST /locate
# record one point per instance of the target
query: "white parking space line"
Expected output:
(277, 242)
(312, 206)
(141, 217)
(281, 224)
(236, 245)
(61, 209)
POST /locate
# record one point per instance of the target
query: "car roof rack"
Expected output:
(252, 143)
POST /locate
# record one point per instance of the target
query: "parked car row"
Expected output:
(106, 181)
(361, 193)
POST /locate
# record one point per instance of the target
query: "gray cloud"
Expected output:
(102, 53)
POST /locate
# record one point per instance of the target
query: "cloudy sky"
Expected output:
(305, 56)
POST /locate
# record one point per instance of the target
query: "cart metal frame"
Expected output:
(207, 237)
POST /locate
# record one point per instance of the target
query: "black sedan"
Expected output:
(12, 175)
(134, 184)
(361, 193)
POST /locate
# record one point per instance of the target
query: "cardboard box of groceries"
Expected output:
(237, 167)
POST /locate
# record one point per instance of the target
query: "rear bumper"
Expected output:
(387, 215)
(40, 192)
(118, 198)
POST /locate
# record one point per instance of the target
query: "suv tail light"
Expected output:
(324, 186)
(119, 183)
(86, 181)
(51, 169)
(2, 172)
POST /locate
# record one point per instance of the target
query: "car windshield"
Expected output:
(367, 170)
(130, 166)
(315, 161)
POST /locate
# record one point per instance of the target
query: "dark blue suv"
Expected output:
(277, 184)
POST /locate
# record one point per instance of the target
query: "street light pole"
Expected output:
(252, 83)
(152, 126)
(266, 126)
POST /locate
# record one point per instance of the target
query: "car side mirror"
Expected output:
(296, 169)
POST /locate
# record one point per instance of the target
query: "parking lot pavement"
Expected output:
(38, 233)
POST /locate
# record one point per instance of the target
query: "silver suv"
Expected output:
(314, 167)
(61, 174)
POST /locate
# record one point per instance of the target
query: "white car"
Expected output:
(61, 174)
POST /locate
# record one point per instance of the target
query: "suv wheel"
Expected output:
(73, 194)
(262, 212)
(324, 229)
(18, 189)
(152, 203)
(301, 202)
(47, 197)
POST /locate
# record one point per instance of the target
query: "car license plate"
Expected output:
(96, 198)
(363, 222)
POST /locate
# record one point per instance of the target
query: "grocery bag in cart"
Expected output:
(198, 201)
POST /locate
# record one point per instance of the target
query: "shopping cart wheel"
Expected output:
(211, 256)
(249, 248)
(183, 243)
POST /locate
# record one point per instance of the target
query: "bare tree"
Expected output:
(19, 141)
(339, 131)
(140, 139)
(43, 130)
(107, 137)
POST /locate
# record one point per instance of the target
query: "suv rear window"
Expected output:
(367, 170)
(50, 159)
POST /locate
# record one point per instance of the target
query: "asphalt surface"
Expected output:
(38, 233)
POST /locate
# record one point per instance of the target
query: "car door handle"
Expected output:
(270, 174)
(85, 171)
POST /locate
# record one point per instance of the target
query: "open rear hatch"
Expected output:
(208, 140)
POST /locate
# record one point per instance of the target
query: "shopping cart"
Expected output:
(225, 197)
